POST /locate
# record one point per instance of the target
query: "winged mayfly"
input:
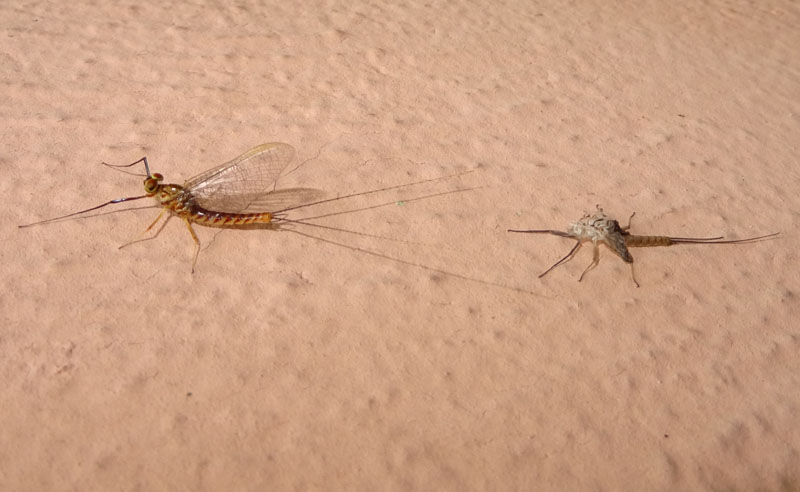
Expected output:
(239, 194)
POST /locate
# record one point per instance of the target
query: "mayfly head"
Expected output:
(152, 183)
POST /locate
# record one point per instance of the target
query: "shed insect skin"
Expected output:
(600, 228)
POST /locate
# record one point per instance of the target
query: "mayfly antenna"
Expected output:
(116, 200)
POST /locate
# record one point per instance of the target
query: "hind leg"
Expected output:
(633, 276)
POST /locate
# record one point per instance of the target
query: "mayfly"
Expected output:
(600, 228)
(240, 194)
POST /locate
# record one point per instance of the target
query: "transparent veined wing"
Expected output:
(281, 199)
(235, 186)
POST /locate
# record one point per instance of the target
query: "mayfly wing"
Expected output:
(234, 186)
(616, 242)
(278, 200)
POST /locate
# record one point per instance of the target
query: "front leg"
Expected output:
(565, 259)
(628, 227)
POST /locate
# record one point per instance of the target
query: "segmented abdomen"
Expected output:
(224, 219)
(184, 206)
(646, 241)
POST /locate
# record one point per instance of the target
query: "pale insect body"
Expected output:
(599, 228)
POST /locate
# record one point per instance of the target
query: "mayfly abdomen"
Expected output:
(224, 219)
(647, 241)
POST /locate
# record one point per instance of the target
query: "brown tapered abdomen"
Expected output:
(647, 241)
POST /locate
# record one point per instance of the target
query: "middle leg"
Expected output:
(158, 231)
(595, 260)
(196, 242)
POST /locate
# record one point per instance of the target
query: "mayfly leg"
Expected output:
(628, 226)
(118, 167)
(565, 259)
(158, 231)
(110, 202)
(196, 242)
(600, 228)
(595, 261)
(239, 194)
(75, 214)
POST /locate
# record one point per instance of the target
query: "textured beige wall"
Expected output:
(285, 362)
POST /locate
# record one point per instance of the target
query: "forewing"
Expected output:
(235, 185)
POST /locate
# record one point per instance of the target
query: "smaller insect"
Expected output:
(600, 228)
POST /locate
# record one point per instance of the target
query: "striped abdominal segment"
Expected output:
(224, 219)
